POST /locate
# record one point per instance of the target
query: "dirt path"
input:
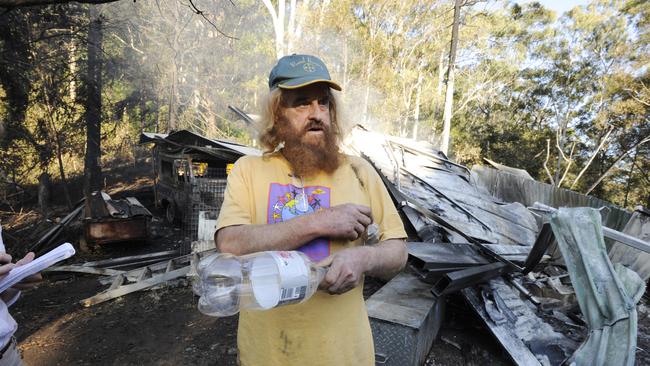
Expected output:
(160, 327)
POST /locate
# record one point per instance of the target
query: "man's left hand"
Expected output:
(346, 269)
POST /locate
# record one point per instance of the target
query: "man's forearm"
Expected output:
(386, 258)
(347, 221)
(245, 239)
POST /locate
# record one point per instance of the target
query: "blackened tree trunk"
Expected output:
(44, 190)
(92, 168)
(14, 61)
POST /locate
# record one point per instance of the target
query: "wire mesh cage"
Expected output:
(204, 196)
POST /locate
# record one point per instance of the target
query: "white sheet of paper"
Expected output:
(63, 251)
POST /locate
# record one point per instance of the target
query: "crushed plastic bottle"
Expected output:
(259, 281)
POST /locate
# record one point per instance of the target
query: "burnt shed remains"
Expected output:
(190, 179)
(538, 277)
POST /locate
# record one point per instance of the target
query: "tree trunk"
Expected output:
(416, 115)
(44, 189)
(64, 181)
(72, 57)
(171, 112)
(345, 66)
(277, 19)
(92, 168)
(561, 139)
(629, 178)
(15, 47)
(366, 99)
(449, 95)
(291, 34)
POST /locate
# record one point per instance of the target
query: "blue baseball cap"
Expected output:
(296, 71)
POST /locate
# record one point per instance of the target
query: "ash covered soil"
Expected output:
(164, 327)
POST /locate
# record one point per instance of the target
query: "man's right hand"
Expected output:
(347, 221)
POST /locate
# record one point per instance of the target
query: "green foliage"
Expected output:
(526, 80)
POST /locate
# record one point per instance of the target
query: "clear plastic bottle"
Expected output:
(259, 281)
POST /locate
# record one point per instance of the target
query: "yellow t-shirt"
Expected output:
(327, 329)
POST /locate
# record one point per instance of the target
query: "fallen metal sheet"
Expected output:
(528, 340)
(405, 318)
(110, 230)
(148, 277)
(455, 281)
(607, 232)
(83, 269)
(44, 242)
(436, 256)
(514, 347)
(445, 189)
(511, 188)
(188, 138)
(544, 240)
(634, 259)
(428, 256)
(607, 294)
(110, 263)
(442, 223)
(112, 293)
(160, 264)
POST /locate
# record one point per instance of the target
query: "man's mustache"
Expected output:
(315, 123)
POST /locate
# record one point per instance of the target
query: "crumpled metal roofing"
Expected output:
(445, 188)
(185, 139)
(634, 259)
(607, 294)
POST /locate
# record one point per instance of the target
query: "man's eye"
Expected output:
(324, 101)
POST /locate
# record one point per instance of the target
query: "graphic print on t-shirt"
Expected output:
(287, 201)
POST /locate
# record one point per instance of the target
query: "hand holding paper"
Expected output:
(28, 266)
(5, 264)
(29, 281)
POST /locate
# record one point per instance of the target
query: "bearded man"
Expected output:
(305, 195)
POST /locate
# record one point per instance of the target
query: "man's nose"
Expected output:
(315, 110)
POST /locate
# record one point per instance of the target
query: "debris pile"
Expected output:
(514, 262)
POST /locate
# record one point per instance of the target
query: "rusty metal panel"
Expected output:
(116, 230)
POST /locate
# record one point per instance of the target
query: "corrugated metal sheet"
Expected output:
(437, 184)
(607, 294)
(512, 188)
(636, 260)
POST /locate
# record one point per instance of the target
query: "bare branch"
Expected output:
(600, 179)
(570, 160)
(203, 14)
(126, 44)
(548, 153)
(591, 159)
(633, 94)
(557, 143)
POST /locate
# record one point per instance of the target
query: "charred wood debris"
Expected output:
(553, 286)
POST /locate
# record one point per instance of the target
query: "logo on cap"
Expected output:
(309, 66)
